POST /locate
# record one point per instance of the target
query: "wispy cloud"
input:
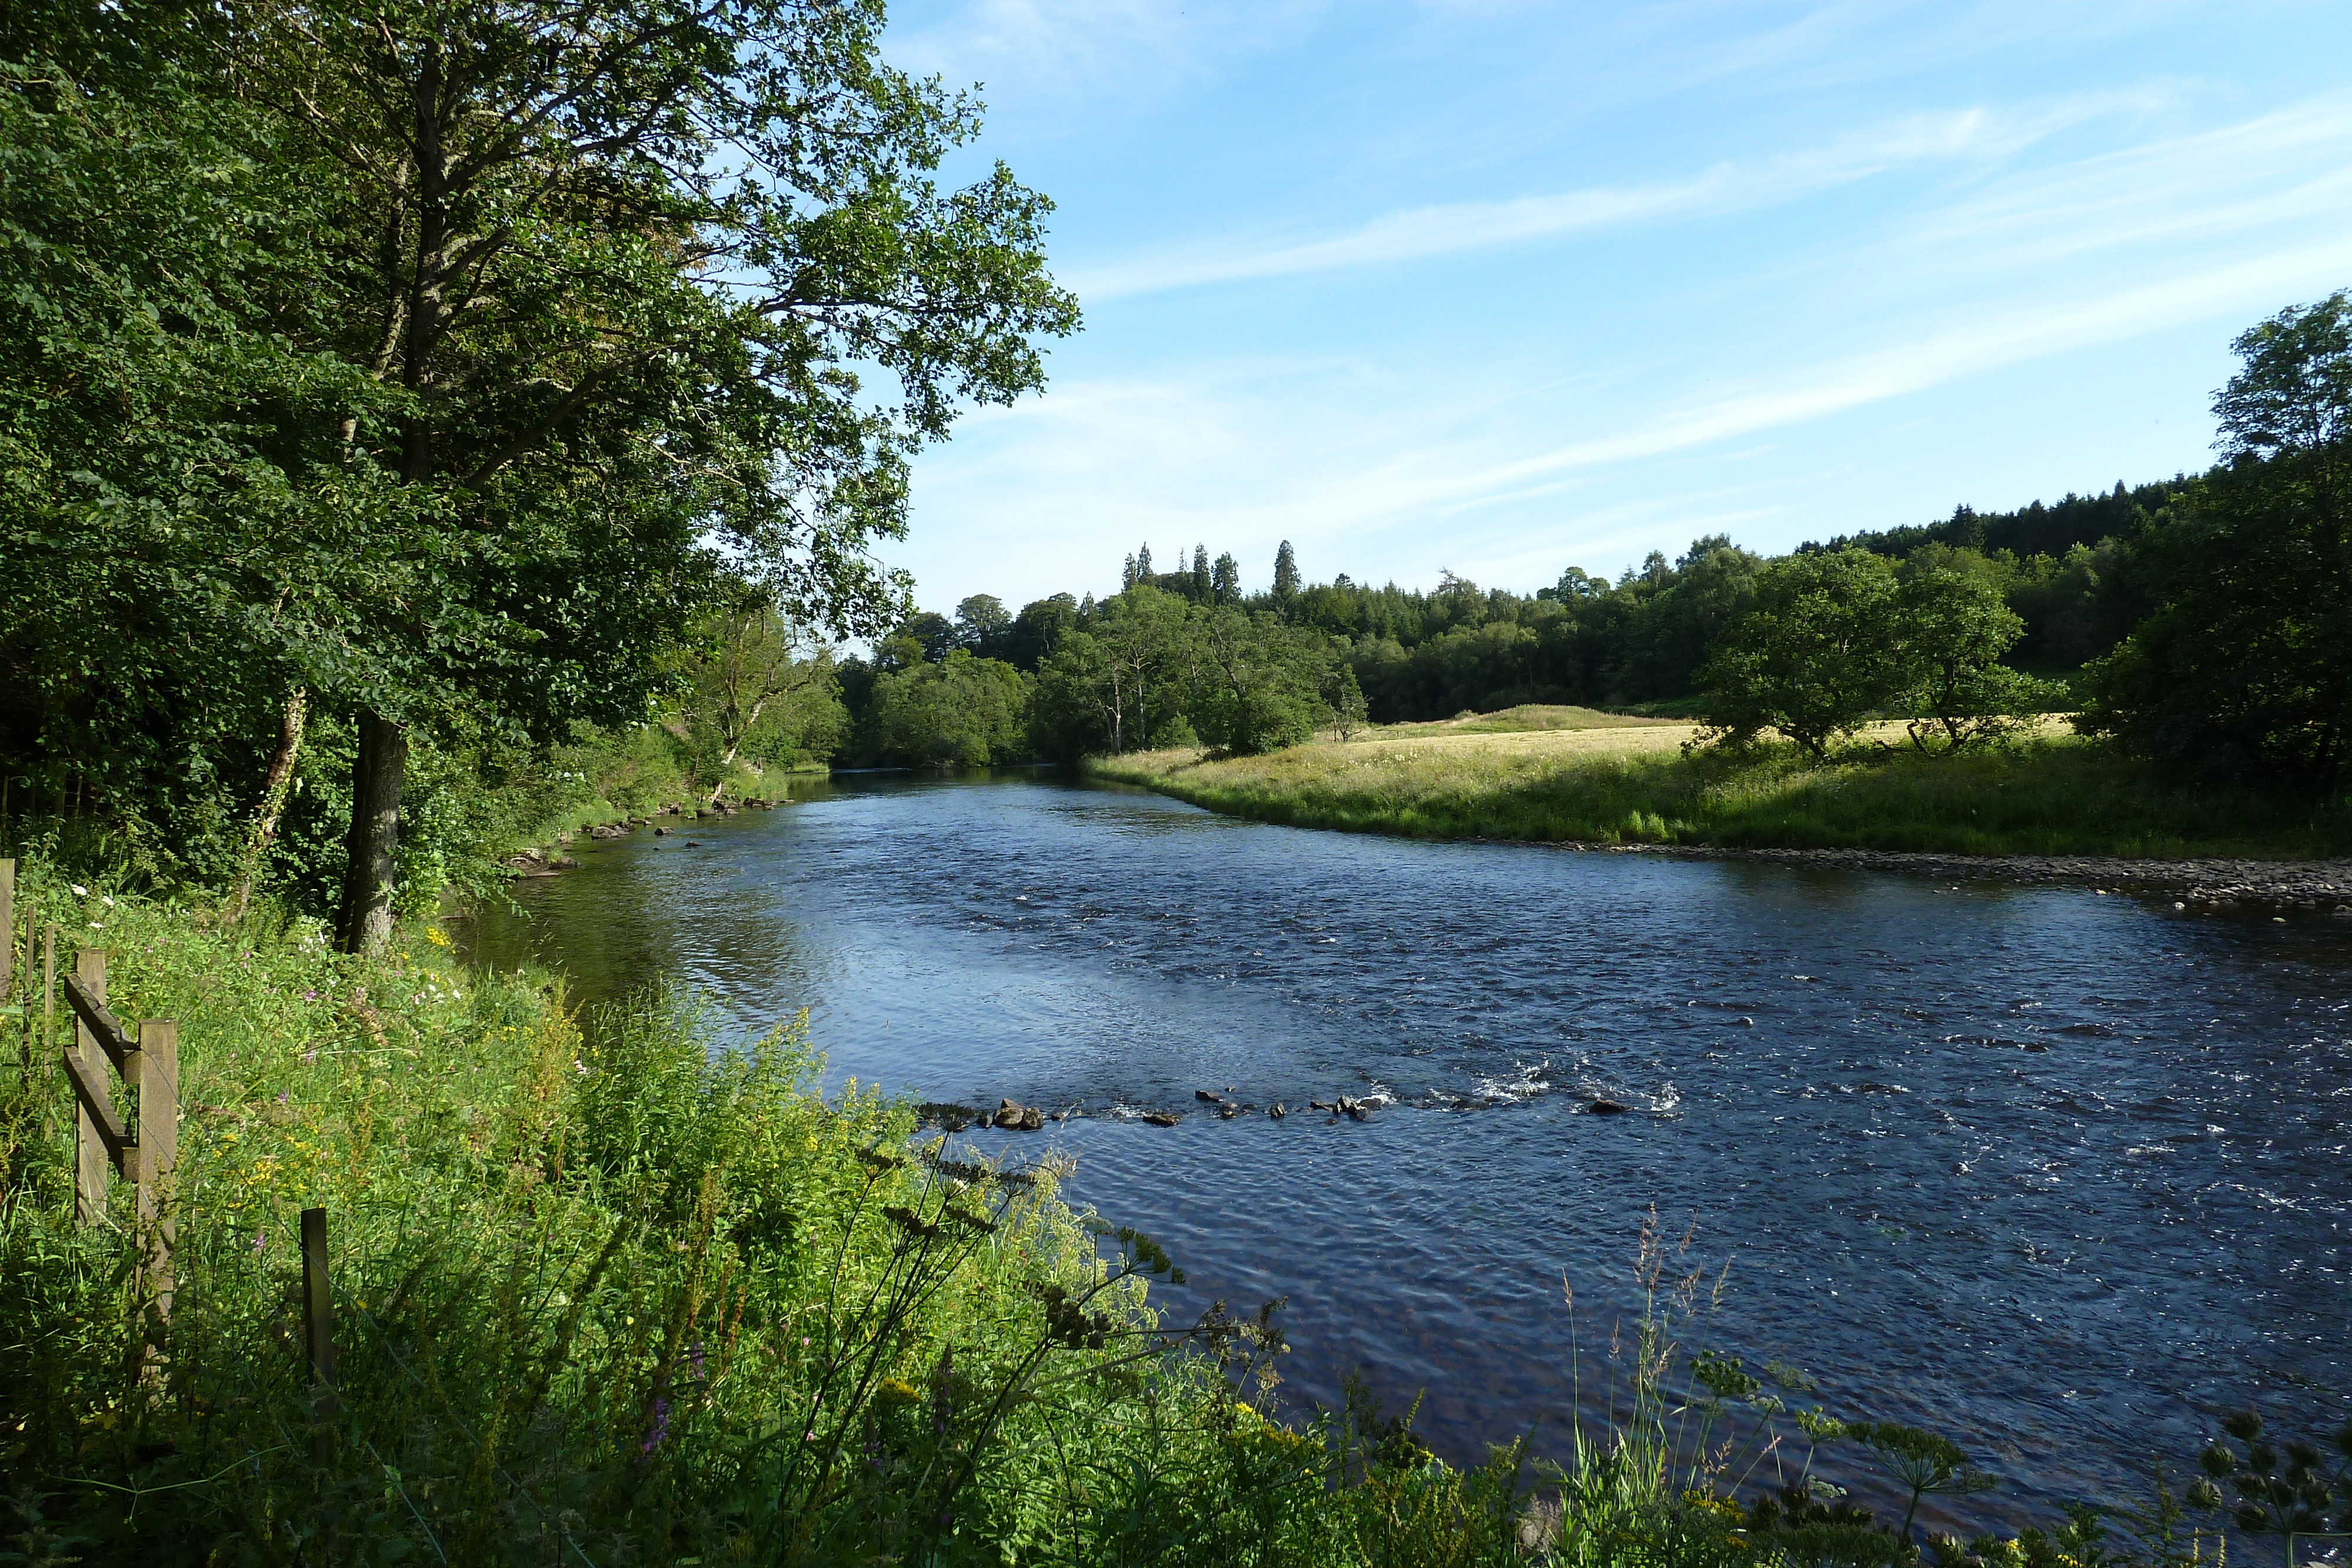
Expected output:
(1901, 369)
(1131, 53)
(1725, 188)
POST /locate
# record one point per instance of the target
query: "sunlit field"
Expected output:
(1573, 774)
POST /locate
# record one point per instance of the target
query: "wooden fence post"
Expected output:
(8, 929)
(48, 994)
(158, 1154)
(319, 1329)
(92, 1157)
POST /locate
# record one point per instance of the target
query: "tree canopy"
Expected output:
(465, 351)
(2245, 664)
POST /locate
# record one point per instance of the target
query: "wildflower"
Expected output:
(309, 995)
(310, 1055)
(107, 899)
(435, 935)
(260, 1239)
(96, 925)
(80, 891)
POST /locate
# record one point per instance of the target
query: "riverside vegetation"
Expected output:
(1564, 774)
(1888, 691)
(618, 1294)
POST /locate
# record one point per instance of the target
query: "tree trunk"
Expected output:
(370, 874)
(273, 796)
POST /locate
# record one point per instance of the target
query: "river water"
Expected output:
(2060, 1175)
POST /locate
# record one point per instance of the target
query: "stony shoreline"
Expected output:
(2319, 884)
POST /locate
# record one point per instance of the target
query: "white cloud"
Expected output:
(1729, 187)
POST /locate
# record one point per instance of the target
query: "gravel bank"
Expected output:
(2306, 885)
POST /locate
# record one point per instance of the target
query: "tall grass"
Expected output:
(615, 1296)
(2056, 795)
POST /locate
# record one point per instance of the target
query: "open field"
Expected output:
(1602, 778)
(1526, 719)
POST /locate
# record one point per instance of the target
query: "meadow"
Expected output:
(1561, 774)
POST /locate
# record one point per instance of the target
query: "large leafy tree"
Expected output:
(623, 264)
(468, 347)
(1951, 632)
(170, 475)
(959, 712)
(745, 665)
(1814, 657)
(2246, 661)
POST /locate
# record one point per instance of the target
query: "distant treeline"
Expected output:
(2065, 569)
(2204, 622)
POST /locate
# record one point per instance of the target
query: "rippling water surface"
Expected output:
(2059, 1174)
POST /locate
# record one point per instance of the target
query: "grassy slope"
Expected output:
(1567, 774)
(604, 1298)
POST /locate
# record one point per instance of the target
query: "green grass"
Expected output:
(2056, 795)
(614, 1296)
(1528, 718)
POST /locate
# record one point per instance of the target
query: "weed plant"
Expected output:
(1700, 1462)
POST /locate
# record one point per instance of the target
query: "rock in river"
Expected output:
(1013, 1117)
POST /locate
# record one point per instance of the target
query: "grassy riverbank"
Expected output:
(606, 1298)
(1567, 774)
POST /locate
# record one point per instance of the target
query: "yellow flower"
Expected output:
(434, 934)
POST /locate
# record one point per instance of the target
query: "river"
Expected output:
(2058, 1174)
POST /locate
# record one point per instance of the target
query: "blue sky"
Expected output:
(1499, 288)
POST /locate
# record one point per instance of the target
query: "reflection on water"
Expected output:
(2059, 1174)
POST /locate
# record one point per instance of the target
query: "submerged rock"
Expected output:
(1599, 1107)
(1161, 1118)
(1208, 1094)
